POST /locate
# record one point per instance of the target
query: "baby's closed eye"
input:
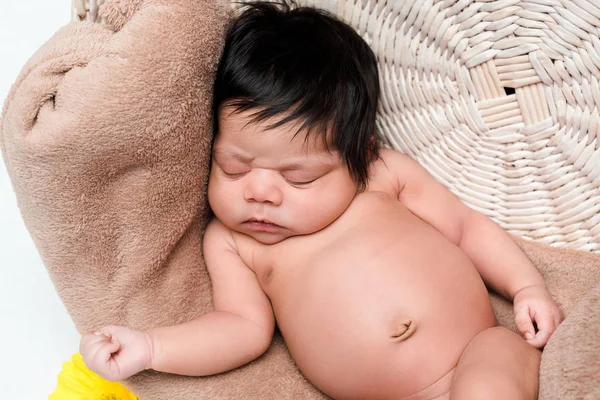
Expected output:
(234, 175)
(300, 180)
(299, 177)
(233, 170)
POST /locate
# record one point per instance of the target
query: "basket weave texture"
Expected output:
(498, 99)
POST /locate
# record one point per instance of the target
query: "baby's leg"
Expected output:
(497, 364)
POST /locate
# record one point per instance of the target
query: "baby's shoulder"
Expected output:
(217, 235)
(220, 237)
(390, 159)
(216, 230)
(395, 166)
(383, 172)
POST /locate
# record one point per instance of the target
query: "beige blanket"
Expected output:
(106, 138)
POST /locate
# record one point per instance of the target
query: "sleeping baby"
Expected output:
(374, 272)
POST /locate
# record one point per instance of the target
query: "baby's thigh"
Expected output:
(497, 364)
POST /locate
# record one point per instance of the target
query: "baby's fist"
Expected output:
(534, 305)
(116, 352)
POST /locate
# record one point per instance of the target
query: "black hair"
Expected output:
(305, 65)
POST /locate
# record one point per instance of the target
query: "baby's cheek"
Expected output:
(212, 195)
(320, 210)
(217, 195)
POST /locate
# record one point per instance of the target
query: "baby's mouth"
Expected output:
(256, 224)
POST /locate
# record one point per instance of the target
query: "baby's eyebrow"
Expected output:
(292, 166)
(316, 163)
(237, 156)
(313, 164)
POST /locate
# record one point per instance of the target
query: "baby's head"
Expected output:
(295, 104)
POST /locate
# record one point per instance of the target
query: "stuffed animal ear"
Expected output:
(115, 13)
(38, 83)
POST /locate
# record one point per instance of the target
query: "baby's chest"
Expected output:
(275, 265)
(375, 235)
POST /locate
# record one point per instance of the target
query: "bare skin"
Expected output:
(405, 304)
(379, 294)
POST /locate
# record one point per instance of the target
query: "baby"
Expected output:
(373, 270)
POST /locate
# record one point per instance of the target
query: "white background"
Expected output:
(36, 333)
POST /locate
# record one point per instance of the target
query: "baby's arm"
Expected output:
(238, 330)
(499, 260)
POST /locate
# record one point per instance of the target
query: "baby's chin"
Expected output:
(278, 235)
(270, 237)
(267, 238)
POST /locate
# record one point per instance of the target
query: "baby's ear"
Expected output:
(373, 148)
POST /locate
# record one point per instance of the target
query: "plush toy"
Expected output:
(77, 382)
(106, 137)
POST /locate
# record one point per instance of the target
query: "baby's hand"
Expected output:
(533, 304)
(116, 353)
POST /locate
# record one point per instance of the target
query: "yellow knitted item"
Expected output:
(77, 382)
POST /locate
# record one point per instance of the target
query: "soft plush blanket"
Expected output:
(106, 137)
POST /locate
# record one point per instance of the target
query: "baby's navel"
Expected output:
(402, 329)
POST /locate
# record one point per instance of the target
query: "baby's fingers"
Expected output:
(106, 351)
(524, 322)
(546, 326)
(540, 339)
(99, 356)
(88, 342)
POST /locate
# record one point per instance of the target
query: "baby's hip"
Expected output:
(415, 361)
(438, 390)
(359, 374)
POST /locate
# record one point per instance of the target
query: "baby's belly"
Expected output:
(383, 310)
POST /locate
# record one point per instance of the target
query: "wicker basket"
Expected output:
(498, 99)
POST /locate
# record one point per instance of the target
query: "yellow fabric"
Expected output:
(77, 382)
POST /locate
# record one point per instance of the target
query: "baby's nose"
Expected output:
(263, 189)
